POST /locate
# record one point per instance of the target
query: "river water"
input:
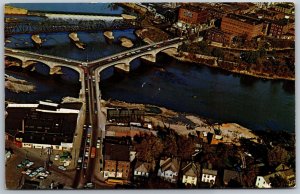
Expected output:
(255, 103)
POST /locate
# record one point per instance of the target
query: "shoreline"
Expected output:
(187, 123)
(173, 53)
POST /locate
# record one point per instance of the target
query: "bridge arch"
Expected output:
(9, 61)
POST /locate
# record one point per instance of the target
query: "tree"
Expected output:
(217, 52)
(186, 147)
(278, 181)
(149, 149)
(278, 155)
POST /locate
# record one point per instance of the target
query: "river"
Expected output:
(255, 103)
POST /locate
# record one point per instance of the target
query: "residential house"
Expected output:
(209, 176)
(169, 169)
(264, 181)
(116, 161)
(191, 172)
(143, 169)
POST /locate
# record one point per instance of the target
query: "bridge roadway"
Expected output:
(92, 95)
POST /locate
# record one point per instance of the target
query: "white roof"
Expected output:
(61, 110)
(48, 103)
(22, 105)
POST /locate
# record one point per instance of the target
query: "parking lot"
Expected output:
(30, 166)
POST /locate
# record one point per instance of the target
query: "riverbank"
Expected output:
(187, 124)
(18, 85)
(151, 35)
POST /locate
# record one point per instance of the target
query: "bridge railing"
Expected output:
(132, 50)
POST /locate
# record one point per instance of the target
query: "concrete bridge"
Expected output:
(90, 92)
(120, 60)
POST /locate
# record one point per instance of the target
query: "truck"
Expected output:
(93, 152)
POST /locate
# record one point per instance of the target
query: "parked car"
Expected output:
(40, 169)
(62, 168)
(56, 157)
(33, 174)
(29, 164)
(28, 172)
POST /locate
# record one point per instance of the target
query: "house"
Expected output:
(209, 176)
(230, 175)
(287, 173)
(264, 181)
(116, 161)
(143, 169)
(169, 169)
(191, 172)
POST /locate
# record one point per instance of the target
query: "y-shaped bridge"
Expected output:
(90, 77)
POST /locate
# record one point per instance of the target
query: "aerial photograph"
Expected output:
(137, 95)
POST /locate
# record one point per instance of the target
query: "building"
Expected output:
(218, 37)
(209, 176)
(239, 25)
(169, 169)
(143, 169)
(286, 8)
(277, 28)
(191, 172)
(265, 182)
(43, 125)
(192, 16)
(116, 161)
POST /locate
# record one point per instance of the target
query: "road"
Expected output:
(94, 116)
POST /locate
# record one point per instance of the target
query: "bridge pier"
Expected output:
(55, 70)
(124, 67)
(150, 58)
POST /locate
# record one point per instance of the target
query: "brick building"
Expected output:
(218, 37)
(278, 28)
(116, 161)
(239, 25)
(193, 16)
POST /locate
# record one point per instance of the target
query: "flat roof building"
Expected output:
(41, 125)
(239, 25)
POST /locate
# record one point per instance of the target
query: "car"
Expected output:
(84, 64)
(20, 165)
(29, 164)
(33, 174)
(41, 177)
(98, 145)
(86, 154)
(149, 49)
(40, 169)
(85, 166)
(56, 157)
(43, 174)
(28, 172)
(79, 160)
(62, 168)
(110, 59)
(127, 54)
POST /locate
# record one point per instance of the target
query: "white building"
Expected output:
(209, 176)
(169, 169)
(191, 172)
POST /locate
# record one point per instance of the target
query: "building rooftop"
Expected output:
(172, 164)
(191, 169)
(116, 152)
(208, 171)
(41, 126)
(244, 19)
(143, 167)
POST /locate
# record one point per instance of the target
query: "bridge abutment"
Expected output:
(123, 67)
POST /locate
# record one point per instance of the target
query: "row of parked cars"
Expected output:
(38, 173)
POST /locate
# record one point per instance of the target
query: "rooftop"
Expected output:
(244, 19)
(116, 152)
